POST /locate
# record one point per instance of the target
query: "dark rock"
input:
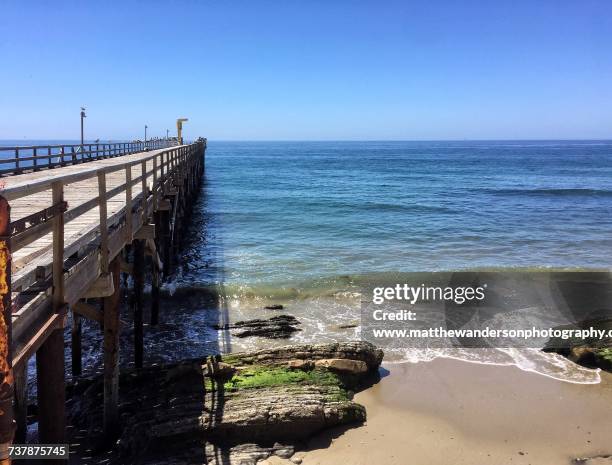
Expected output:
(348, 326)
(592, 353)
(277, 327)
(274, 307)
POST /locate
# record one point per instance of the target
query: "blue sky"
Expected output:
(311, 69)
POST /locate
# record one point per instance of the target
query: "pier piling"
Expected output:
(112, 307)
(139, 272)
(50, 373)
(21, 403)
(76, 352)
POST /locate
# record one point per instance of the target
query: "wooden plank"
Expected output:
(55, 321)
(58, 248)
(103, 222)
(146, 231)
(88, 311)
(102, 287)
(128, 202)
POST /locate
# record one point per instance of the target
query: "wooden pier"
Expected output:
(64, 227)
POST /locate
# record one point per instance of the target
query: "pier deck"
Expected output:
(63, 234)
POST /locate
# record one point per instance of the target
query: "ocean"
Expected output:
(296, 213)
(305, 224)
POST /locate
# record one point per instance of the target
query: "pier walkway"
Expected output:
(64, 232)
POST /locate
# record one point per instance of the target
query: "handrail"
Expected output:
(33, 186)
(37, 157)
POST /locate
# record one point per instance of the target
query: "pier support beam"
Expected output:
(76, 344)
(21, 403)
(111, 352)
(164, 216)
(154, 293)
(51, 389)
(156, 271)
(139, 269)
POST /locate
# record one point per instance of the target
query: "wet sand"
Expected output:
(451, 412)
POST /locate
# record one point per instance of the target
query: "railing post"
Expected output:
(35, 160)
(17, 159)
(103, 222)
(128, 202)
(58, 247)
(162, 164)
(154, 183)
(7, 422)
(143, 169)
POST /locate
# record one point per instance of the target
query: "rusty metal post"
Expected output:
(7, 422)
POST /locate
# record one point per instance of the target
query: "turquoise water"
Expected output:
(297, 215)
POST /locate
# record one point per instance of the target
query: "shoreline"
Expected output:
(449, 410)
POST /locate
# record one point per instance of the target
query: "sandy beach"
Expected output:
(448, 411)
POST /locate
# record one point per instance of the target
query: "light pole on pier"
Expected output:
(167, 131)
(83, 116)
(146, 132)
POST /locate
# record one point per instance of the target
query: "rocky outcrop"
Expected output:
(274, 307)
(244, 406)
(592, 353)
(278, 327)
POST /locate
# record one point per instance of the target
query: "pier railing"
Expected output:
(17, 159)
